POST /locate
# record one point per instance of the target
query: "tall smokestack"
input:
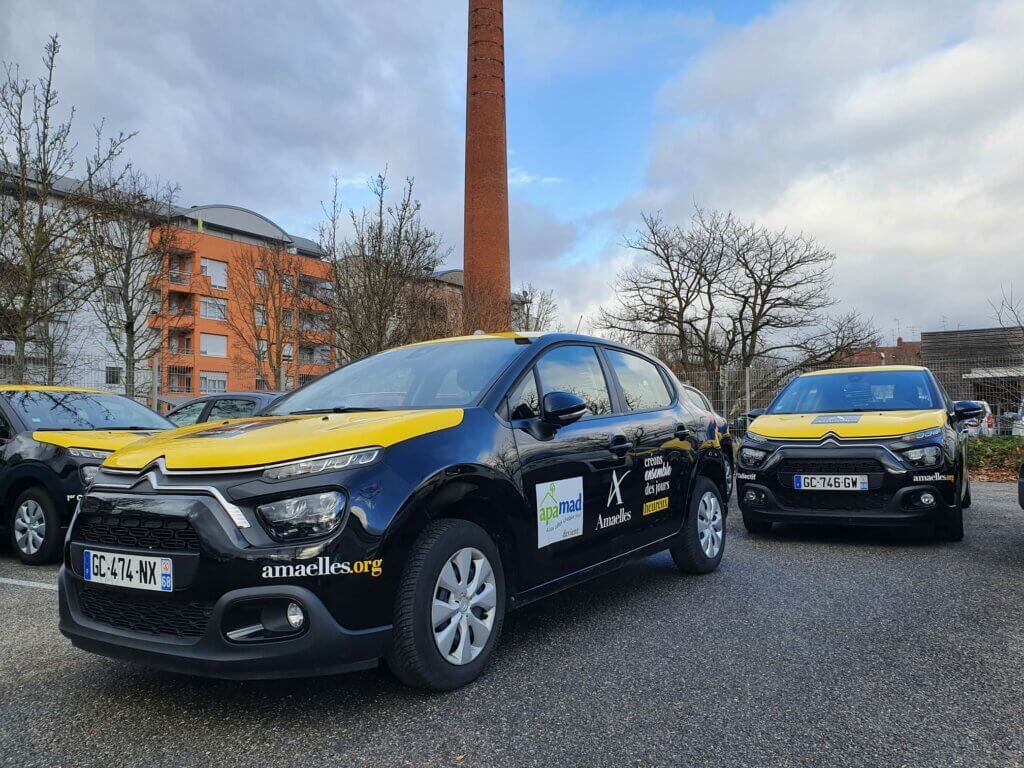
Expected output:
(486, 259)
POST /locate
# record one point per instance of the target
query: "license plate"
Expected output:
(830, 482)
(133, 571)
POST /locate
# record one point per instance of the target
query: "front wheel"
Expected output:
(699, 546)
(449, 608)
(35, 528)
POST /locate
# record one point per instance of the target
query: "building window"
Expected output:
(179, 378)
(322, 354)
(213, 345)
(214, 309)
(261, 315)
(305, 378)
(289, 383)
(305, 354)
(262, 349)
(286, 318)
(261, 277)
(287, 283)
(287, 352)
(217, 271)
(262, 385)
(113, 375)
(179, 343)
(312, 321)
(213, 381)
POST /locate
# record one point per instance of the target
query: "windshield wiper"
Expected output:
(336, 409)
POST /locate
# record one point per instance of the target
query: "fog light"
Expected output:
(750, 496)
(295, 615)
(928, 499)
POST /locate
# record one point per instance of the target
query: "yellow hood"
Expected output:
(810, 426)
(272, 439)
(95, 439)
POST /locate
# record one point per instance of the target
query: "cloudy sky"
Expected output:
(892, 132)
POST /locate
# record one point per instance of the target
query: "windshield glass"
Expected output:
(82, 410)
(853, 392)
(447, 374)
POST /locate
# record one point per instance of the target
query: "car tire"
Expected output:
(756, 527)
(701, 543)
(35, 528)
(730, 474)
(415, 656)
(951, 526)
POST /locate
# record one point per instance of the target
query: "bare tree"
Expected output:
(272, 310)
(131, 237)
(44, 269)
(535, 310)
(1009, 313)
(723, 292)
(383, 274)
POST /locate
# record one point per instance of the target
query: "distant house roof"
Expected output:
(451, 276)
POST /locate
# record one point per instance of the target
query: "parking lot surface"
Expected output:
(809, 647)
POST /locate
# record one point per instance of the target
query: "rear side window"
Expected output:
(576, 369)
(524, 402)
(696, 399)
(188, 414)
(642, 384)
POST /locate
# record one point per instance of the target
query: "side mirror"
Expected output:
(964, 410)
(562, 408)
(753, 413)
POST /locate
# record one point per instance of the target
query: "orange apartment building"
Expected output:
(210, 315)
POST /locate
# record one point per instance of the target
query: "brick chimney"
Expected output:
(486, 257)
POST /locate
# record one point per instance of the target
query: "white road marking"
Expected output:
(21, 583)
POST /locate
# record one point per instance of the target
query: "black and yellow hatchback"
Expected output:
(871, 446)
(394, 508)
(52, 439)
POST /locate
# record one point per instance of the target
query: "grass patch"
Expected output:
(995, 458)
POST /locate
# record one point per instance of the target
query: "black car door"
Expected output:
(566, 472)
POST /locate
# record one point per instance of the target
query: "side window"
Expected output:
(5, 429)
(524, 401)
(188, 414)
(693, 399)
(577, 370)
(229, 408)
(641, 383)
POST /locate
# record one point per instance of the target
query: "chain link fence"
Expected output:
(735, 390)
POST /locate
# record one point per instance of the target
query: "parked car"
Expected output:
(874, 446)
(225, 405)
(700, 401)
(984, 425)
(396, 508)
(52, 439)
(1020, 485)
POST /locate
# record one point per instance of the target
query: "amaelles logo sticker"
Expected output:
(322, 566)
(933, 478)
(559, 510)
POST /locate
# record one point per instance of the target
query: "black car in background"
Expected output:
(224, 405)
(394, 508)
(1020, 485)
(52, 439)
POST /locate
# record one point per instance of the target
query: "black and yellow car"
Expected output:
(52, 439)
(394, 508)
(873, 445)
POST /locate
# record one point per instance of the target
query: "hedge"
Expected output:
(995, 457)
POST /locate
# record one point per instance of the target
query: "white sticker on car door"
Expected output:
(559, 510)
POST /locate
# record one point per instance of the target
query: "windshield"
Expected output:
(853, 392)
(446, 374)
(41, 409)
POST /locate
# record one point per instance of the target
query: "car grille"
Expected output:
(834, 501)
(830, 466)
(144, 613)
(143, 531)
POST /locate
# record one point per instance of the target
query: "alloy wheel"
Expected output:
(29, 527)
(710, 524)
(463, 609)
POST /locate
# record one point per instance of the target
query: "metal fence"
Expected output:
(87, 372)
(735, 390)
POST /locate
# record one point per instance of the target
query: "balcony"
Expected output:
(179, 276)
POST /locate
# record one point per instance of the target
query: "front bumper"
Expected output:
(325, 648)
(892, 498)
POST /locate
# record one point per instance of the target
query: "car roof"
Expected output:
(530, 336)
(50, 388)
(865, 369)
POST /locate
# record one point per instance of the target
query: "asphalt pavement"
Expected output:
(809, 647)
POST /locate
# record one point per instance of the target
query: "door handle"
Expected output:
(682, 432)
(619, 444)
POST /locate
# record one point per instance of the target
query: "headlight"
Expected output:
(88, 473)
(89, 453)
(928, 456)
(753, 457)
(304, 516)
(924, 435)
(347, 460)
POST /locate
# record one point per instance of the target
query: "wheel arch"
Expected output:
(23, 477)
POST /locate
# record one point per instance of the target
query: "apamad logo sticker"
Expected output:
(559, 510)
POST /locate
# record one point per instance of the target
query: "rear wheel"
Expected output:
(35, 528)
(449, 608)
(756, 527)
(699, 546)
